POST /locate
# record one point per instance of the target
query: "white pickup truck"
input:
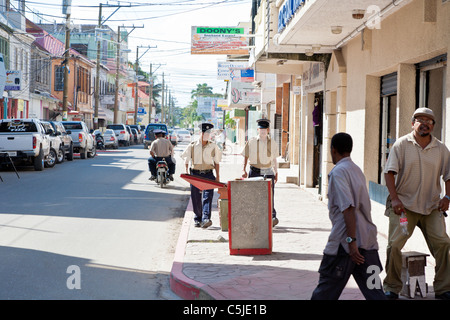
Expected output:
(83, 142)
(24, 139)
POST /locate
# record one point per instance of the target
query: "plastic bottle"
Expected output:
(404, 223)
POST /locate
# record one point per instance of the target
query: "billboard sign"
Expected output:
(219, 40)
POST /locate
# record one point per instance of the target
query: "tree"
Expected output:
(203, 90)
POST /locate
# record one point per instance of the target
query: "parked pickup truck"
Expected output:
(83, 142)
(24, 139)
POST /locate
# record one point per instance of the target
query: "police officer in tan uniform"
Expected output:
(261, 153)
(202, 157)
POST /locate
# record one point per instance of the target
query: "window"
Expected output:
(59, 78)
(388, 121)
(4, 49)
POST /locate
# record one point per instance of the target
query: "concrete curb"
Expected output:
(180, 284)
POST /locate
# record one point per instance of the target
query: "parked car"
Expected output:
(66, 139)
(140, 132)
(150, 136)
(183, 135)
(110, 138)
(56, 154)
(83, 142)
(122, 133)
(24, 140)
(172, 137)
(130, 133)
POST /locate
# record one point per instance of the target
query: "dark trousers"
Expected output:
(255, 172)
(153, 161)
(202, 200)
(336, 270)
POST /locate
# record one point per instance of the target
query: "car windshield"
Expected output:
(72, 125)
(156, 127)
(18, 126)
(115, 126)
(183, 132)
(109, 131)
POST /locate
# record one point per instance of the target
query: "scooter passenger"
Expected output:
(161, 148)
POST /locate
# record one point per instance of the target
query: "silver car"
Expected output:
(110, 138)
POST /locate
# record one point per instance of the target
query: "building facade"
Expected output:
(358, 68)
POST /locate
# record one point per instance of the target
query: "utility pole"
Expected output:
(66, 10)
(116, 95)
(150, 95)
(163, 116)
(136, 93)
(97, 75)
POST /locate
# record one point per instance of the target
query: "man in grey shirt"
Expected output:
(352, 247)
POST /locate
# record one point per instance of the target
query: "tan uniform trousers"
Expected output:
(434, 231)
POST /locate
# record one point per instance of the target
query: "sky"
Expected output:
(163, 24)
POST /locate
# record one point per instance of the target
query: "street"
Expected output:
(90, 229)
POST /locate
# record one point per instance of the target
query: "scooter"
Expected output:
(99, 141)
(162, 173)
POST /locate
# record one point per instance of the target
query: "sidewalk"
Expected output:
(204, 269)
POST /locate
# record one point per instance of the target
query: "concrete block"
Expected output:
(223, 214)
(250, 217)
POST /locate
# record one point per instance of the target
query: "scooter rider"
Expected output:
(160, 149)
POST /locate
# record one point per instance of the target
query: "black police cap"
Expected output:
(206, 126)
(263, 123)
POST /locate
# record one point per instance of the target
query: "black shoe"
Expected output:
(391, 295)
(152, 178)
(196, 224)
(206, 223)
(171, 177)
(444, 296)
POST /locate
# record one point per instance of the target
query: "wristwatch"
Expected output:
(350, 239)
(447, 196)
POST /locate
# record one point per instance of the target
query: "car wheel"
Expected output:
(60, 156)
(50, 160)
(70, 154)
(38, 161)
(93, 152)
(83, 153)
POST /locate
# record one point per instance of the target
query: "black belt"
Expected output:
(201, 171)
(258, 170)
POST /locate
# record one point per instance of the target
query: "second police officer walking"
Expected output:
(261, 153)
(203, 156)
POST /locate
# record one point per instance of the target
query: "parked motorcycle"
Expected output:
(100, 142)
(162, 173)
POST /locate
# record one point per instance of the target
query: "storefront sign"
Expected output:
(313, 77)
(219, 40)
(287, 11)
(13, 80)
(235, 71)
(242, 94)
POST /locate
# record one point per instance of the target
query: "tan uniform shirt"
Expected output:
(162, 147)
(419, 171)
(261, 154)
(202, 157)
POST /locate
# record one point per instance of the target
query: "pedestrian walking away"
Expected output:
(261, 153)
(202, 158)
(352, 247)
(413, 172)
(160, 149)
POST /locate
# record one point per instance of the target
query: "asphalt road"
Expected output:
(89, 229)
